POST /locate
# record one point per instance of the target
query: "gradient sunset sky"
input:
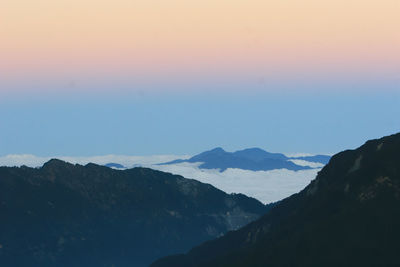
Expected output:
(85, 77)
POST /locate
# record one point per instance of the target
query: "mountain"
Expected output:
(71, 215)
(348, 216)
(115, 165)
(254, 159)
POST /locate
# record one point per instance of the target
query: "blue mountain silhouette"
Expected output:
(254, 159)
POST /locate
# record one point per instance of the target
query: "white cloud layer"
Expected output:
(266, 186)
(301, 162)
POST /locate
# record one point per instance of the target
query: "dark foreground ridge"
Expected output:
(348, 216)
(72, 215)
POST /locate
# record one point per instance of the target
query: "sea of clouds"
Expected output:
(266, 186)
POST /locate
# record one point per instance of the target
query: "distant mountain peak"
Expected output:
(254, 159)
(216, 150)
(252, 149)
(258, 154)
(115, 165)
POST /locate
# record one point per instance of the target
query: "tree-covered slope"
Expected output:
(348, 216)
(73, 215)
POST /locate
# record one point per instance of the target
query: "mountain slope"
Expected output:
(253, 159)
(348, 216)
(73, 215)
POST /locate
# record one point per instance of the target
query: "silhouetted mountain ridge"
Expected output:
(348, 216)
(71, 215)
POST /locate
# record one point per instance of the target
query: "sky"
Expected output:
(81, 78)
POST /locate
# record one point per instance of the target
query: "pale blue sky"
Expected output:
(173, 123)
